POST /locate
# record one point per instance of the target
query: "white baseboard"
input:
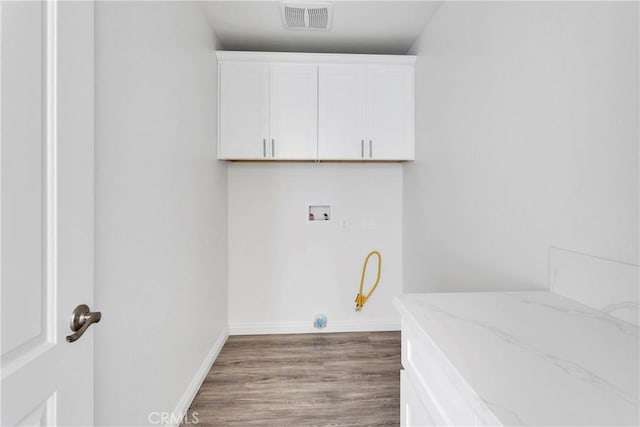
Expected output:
(199, 377)
(307, 327)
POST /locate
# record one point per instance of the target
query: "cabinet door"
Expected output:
(412, 411)
(244, 111)
(390, 112)
(294, 111)
(342, 109)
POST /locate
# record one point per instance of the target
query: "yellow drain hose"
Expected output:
(361, 298)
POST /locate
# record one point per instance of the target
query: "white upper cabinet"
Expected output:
(342, 108)
(390, 112)
(243, 111)
(296, 106)
(366, 112)
(294, 111)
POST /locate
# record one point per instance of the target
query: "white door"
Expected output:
(342, 109)
(46, 120)
(390, 112)
(294, 111)
(244, 111)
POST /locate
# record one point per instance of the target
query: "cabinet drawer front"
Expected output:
(425, 362)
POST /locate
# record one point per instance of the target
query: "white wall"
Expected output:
(161, 214)
(284, 269)
(527, 137)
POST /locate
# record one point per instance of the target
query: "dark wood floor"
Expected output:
(345, 379)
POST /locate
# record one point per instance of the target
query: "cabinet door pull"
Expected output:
(362, 148)
(264, 147)
(370, 149)
(273, 150)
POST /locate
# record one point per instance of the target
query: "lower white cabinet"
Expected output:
(412, 410)
(498, 359)
(429, 397)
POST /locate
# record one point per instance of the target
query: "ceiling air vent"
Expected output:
(306, 16)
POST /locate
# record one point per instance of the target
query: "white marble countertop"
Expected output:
(535, 358)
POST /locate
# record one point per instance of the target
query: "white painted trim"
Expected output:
(50, 304)
(315, 58)
(218, 109)
(195, 384)
(307, 327)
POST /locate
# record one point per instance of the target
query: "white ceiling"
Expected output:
(383, 27)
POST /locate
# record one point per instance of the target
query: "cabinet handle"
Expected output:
(362, 148)
(273, 150)
(264, 147)
(370, 149)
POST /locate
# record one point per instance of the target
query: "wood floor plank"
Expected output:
(343, 379)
